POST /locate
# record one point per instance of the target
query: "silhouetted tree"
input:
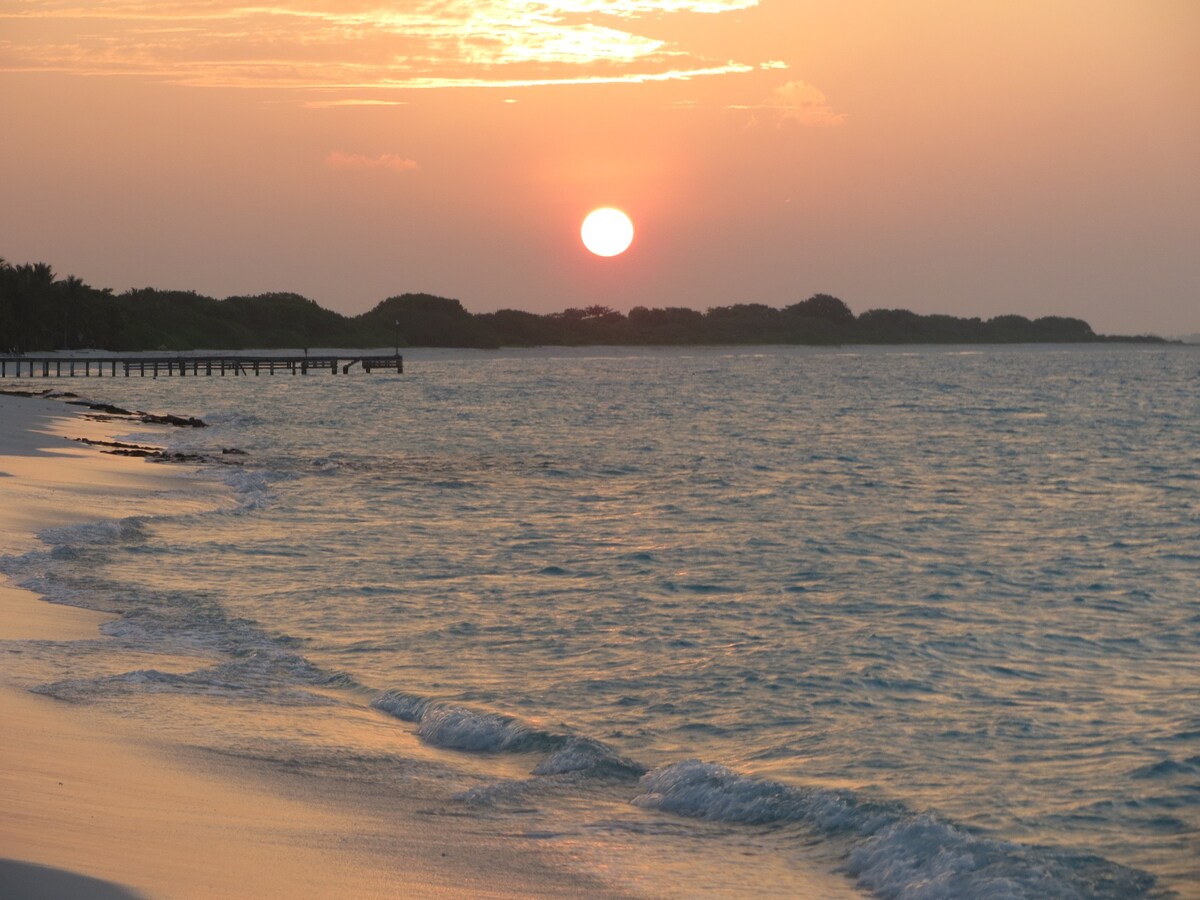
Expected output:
(744, 323)
(672, 325)
(515, 328)
(426, 321)
(1063, 329)
(890, 326)
(823, 306)
(40, 312)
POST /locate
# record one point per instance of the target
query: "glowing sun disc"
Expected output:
(607, 231)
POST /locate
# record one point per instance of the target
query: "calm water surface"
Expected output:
(928, 617)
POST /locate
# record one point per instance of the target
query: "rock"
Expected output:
(177, 421)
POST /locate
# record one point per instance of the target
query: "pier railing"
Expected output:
(222, 364)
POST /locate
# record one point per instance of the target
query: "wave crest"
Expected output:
(130, 530)
(459, 728)
(893, 852)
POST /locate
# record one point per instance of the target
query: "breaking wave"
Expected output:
(130, 530)
(459, 728)
(892, 851)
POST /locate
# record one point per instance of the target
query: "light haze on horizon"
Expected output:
(968, 159)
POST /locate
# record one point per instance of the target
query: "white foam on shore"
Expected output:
(893, 852)
(108, 531)
(459, 728)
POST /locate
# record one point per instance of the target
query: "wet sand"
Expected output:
(94, 806)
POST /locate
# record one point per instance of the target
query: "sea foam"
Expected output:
(459, 728)
(892, 851)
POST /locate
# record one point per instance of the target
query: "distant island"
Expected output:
(40, 312)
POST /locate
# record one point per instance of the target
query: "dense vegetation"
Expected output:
(40, 312)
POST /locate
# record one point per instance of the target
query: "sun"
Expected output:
(607, 231)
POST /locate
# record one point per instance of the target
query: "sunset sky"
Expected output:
(972, 158)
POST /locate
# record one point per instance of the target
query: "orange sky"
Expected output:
(969, 158)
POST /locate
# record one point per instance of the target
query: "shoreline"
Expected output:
(242, 737)
(95, 806)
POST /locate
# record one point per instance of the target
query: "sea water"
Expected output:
(925, 619)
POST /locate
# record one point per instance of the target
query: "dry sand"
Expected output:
(93, 807)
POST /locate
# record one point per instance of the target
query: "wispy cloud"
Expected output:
(339, 160)
(334, 104)
(360, 44)
(796, 102)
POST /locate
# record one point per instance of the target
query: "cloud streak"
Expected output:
(352, 44)
(340, 160)
(351, 102)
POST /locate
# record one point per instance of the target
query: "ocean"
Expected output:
(916, 622)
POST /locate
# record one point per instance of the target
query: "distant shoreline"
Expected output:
(40, 312)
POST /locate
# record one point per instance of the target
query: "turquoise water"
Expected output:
(926, 615)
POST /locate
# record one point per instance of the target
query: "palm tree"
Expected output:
(71, 294)
(33, 302)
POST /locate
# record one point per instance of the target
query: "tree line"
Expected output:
(41, 312)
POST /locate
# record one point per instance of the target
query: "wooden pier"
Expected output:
(154, 366)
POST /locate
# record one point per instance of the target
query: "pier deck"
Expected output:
(154, 366)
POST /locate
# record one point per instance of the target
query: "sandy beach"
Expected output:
(96, 807)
